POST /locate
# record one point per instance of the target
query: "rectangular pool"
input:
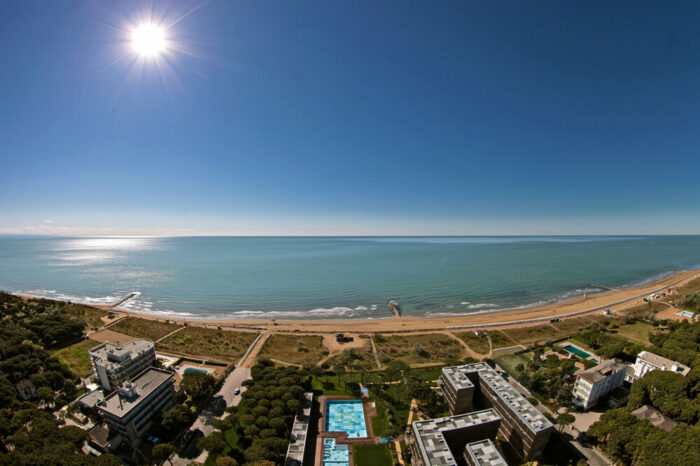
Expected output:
(335, 455)
(346, 416)
(685, 313)
(577, 351)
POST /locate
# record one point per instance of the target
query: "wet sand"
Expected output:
(617, 300)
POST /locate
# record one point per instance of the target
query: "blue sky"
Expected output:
(351, 118)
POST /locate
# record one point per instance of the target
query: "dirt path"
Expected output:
(248, 359)
(374, 351)
(466, 347)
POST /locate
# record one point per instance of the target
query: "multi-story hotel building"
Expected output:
(114, 363)
(523, 426)
(596, 382)
(129, 410)
(438, 442)
(647, 362)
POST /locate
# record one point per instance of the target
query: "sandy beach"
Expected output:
(618, 300)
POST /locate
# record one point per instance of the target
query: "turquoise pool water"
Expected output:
(577, 351)
(194, 369)
(686, 313)
(335, 455)
(346, 416)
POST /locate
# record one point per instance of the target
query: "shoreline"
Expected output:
(617, 300)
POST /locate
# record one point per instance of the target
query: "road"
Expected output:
(226, 394)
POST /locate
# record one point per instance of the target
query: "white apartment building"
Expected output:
(130, 409)
(115, 363)
(647, 362)
(596, 382)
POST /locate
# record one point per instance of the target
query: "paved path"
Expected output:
(233, 381)
(171, 333)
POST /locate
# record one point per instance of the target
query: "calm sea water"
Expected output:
(334, 277)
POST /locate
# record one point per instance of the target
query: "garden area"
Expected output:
(76, 357)
(143, 328)
(208, 344)
(418, 349)
(372, 455)
(294, 349)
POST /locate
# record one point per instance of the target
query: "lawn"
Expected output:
(372, 455)
(478, 344)
(143, 328)
(294, 349)
(527, 336)
(499, 340)
(206, 343)
(77, 358)
(417, 349)
(637, 331)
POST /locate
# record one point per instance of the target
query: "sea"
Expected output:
(334, 277)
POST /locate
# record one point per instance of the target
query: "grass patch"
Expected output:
(143, 328)
(499, 340)
(372, 455)
(208, 343)
(418, 349)
(478, 344)
(77, 358)
(571, 326)
(294, 349)
(355, 358)
(527, 336)
(638, 331)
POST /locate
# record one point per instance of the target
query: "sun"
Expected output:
(148, 40)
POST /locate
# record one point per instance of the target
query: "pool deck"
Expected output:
(342, 437)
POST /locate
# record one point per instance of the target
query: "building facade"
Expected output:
(438, 442)
(114, 363)
(596, 382)
(523, 426)
(131, 408)
(647, 362)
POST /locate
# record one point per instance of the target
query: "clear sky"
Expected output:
(328, 117)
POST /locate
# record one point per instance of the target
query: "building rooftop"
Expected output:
(113, 354)
(300, 429)
(663, 363)
(131, 394)
(532, 417)
(655, 417)
(90, 400)
(457, 377)
(430, 438)
(602, 371)
(485, 452)
(99, 435)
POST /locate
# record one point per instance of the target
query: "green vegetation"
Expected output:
(355, 359)
(418, 349)
(538, 334)
(637, 331)
(478, 344)
(262, 421)
(208, 344)
(143, 328)
(28, 434)
(294, 349)
(76, 357)
(91, 316)
(499, 340)
(372, 455)
(691, 302)
(634, 442)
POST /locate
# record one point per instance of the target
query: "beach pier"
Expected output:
(601, 287)
(125, 299)
(394, 308)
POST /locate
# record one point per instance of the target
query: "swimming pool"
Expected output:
(194, 369)
(686, 313)
(577, 351)
(346, 416)
(335, 455)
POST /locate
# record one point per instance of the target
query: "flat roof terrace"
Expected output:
(484, 452)
(300, 430)
(517, 403)
(429, 434)
(142, 385)
(457, 377)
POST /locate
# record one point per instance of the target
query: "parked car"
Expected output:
(237, 391)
